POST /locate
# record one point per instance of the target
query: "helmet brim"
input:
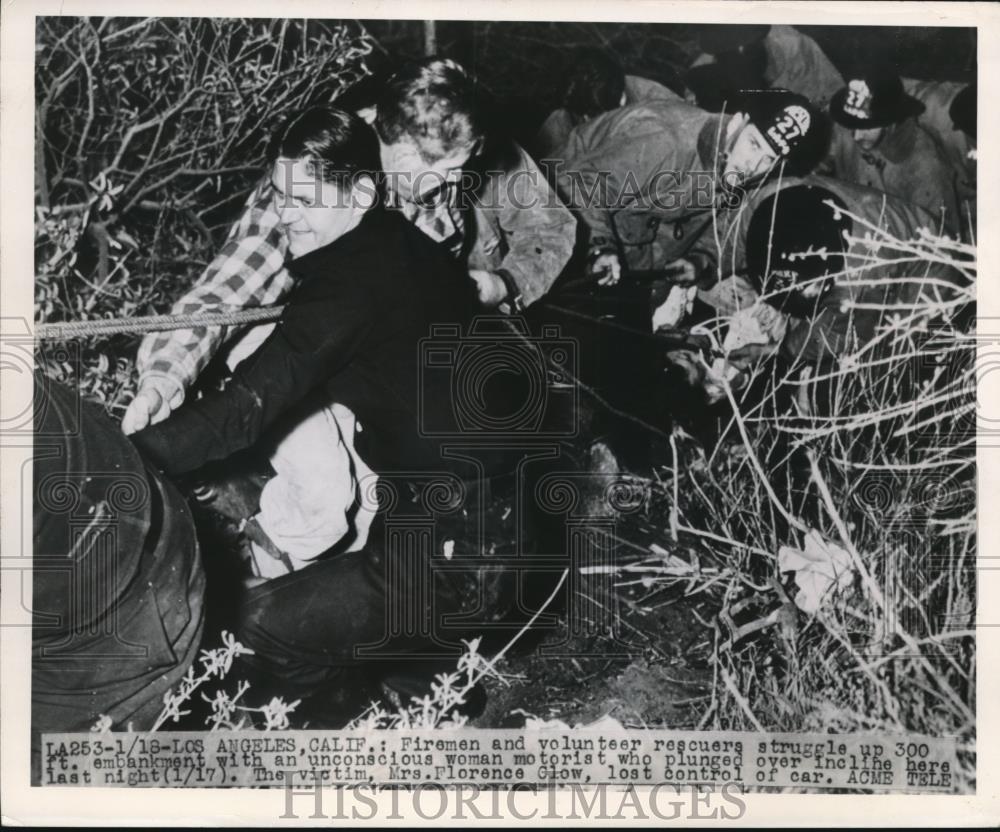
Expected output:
(899, 110)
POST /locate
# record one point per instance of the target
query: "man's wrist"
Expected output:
(512, 302)
(705, 273)
(171, 389)
(600, 245)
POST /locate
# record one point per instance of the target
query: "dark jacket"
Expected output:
(351, 334)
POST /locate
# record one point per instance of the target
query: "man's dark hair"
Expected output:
(436, 104)
(595, 84)
(337, 146)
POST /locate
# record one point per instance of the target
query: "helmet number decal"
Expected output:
(858, 99)
(791, 125)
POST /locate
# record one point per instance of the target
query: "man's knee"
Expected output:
(257, 616)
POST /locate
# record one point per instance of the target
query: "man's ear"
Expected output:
(367, 114)
(623, 100)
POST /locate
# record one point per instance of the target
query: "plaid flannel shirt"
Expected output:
(248, 271)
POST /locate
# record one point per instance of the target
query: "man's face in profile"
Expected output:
(869, 138)
(749, 157)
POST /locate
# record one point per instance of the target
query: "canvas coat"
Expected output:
(642, 180)
(909, 165)
(957, 146)
(555, 130)
(517, 224)
(936, 97)
(796, 62)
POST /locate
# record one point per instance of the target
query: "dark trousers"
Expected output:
(367, 611)
(432, 573)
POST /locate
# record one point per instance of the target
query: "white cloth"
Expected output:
(321, 491)
(678, 305)
(758, 325)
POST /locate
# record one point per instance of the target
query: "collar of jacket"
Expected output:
(499, 155)
(898, 143)
(316, 260)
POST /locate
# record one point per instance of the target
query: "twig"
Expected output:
(741, 700)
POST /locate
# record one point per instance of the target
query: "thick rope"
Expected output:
(63, 330)
(163, 323)
(155, 323)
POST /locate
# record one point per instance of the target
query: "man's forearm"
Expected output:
(172, 361)
(209, 429)
(248, 271)
(540, 231)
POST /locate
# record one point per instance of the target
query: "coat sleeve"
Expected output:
(248, 271)
(552, 135)
(607, 164)
(585, 186)
(311, 342)
(539, 229)
(619, 160)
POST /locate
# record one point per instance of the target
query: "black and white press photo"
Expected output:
(418, 403)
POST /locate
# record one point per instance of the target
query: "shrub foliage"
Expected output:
(148, 134)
